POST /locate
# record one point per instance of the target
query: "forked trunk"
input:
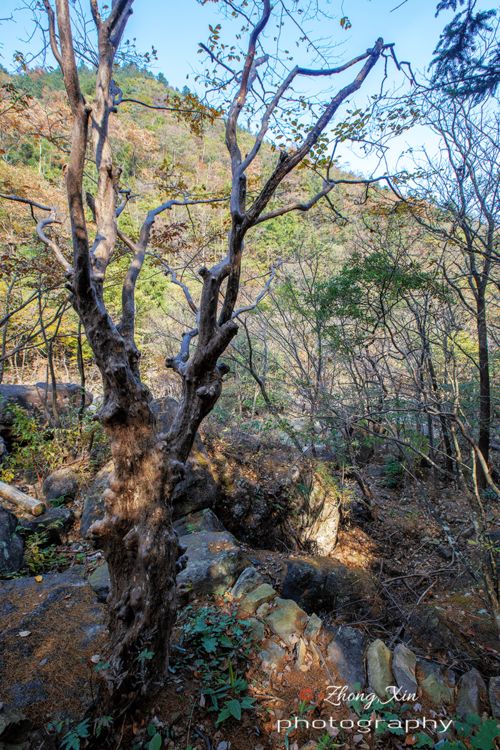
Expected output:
(141, 550)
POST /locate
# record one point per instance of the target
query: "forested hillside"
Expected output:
(249, 417)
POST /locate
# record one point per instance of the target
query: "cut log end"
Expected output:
(21, 499)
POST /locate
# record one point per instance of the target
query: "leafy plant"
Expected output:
(472, 732)
(40, 556)
(39, 449)
(77, 732)
(221, 644)
(393, 473)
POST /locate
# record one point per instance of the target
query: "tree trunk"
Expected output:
(484, 387)
(141, 550)
(445, 432)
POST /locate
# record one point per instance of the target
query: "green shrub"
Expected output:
(41, 557)
(39, 449)
(393, 473)
(219, 645)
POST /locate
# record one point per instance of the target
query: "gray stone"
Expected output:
(54, 523)
(321, 584)
(346, 654)
(61, 485)
(378, 663)
(313, 628)
(93, 503)
(257, 628)
(301, 655)
(255, 598)
(203, 520)
(263, 610)
(214, 561)
(271, 656)
(287, 620)
(15, 730)
(66, 627)
(435, 684)
(11, 544)
(471, 694)
(99, 580)
(320, 519)
(198, 489)
(247, 581)
(494, 696)
(404, 662)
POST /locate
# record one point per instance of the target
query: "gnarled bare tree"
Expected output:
(136, 534)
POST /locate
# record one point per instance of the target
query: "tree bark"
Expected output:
(484, 387)
(141, 550)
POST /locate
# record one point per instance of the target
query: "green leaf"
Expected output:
(155, 742)
(146, 655)
(209, 644)
(71, 741)
(485, 737)
(247, 702)
(423, 740)
(224, 714)
(82, 729)
(234, 708)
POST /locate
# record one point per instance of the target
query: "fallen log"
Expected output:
(21, 499)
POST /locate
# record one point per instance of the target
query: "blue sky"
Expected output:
(175, 27)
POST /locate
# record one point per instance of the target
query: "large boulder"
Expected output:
(93, 503)
(324, 585)
(49, 629)
(202, 520)
(54, 523)
(36, 399)
(11, 544)
(61, 485)
(196, 491)
(214, 561)
(319, 518)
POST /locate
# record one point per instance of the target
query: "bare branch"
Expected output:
(51, 244)
(28, 201)
(52, 33)
(263, 293)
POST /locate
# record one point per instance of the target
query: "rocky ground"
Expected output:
(385, 598)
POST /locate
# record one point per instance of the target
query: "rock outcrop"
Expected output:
(46, 628)
(11, 544)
